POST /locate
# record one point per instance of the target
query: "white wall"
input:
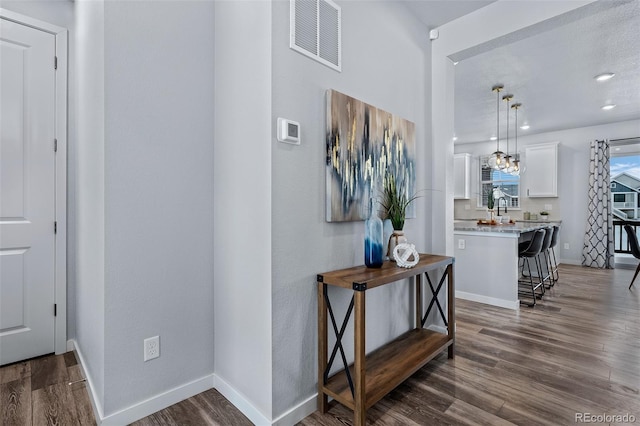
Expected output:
(243, 196)
(571, 204)
(386, 63)
(90, 191)
(159, 157)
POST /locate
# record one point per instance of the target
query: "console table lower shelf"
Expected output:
(370, 377)
(389, 366)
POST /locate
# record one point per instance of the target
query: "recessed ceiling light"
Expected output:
(608, 107)
(617, 148)
(525, 127)
(605, 76)
(493, 138)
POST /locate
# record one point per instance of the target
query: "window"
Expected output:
(505, 187)
(618, 198)
(613, 185)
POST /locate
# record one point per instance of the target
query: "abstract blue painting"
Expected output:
(363, 144)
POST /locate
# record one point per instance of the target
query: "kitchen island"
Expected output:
(487, 260)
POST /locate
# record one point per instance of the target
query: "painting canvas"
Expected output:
(364, 144)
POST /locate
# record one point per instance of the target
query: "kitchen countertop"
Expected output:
(517, 228)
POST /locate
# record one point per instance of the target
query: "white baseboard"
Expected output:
(438, 328)
(297, 413)
(159, 402)
(289, 418)
(143, 408)
(97, 407)
(182, 392)
(502, 303)
(240, 401)
(570, 262)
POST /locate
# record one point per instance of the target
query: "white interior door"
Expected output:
(27, 192)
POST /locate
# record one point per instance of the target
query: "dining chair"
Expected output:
(635, 249)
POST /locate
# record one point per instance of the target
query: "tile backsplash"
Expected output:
(467, 209)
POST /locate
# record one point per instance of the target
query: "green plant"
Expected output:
(395, 201)
(544, 213)
(490, 199)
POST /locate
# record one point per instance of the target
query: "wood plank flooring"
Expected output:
(38, 392)
(577, 351)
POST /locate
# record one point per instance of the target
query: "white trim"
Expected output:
(60, 278)
(61, 193)
(502, 303)
(31, 22)
(438, 328)
(298, 412)
(144, 408)
(570, 262)
(91, 389)
(240, 401)
(159, 402)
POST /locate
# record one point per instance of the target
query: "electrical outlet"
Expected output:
(566, 246)
(548, 207)
(151, 348)
(461, 244)
(467, 206)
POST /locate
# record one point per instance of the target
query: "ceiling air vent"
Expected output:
(315, 31)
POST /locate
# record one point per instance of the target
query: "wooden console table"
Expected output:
(372, 376)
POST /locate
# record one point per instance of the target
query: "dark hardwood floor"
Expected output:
(578, 351)
(44, 391)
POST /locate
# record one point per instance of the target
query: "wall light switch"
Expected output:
(462, 244)
(566, 246)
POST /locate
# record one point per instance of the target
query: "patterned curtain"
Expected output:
(598, 247)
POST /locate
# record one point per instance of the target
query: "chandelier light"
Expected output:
(496, 160)
(508, 159)
(516, 162)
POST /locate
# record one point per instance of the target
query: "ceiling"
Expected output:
(434, 13)
(550, 69)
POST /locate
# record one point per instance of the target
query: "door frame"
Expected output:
(60, 253)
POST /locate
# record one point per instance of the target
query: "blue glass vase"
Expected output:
(373, 244)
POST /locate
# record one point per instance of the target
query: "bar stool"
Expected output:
(527, 251)
(555, 274)
(544, 253)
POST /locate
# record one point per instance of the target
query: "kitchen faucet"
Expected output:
(505, 205)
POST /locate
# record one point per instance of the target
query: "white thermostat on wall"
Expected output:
(288, 131)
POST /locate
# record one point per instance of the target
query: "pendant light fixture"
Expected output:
(508, 159)
(516, 161)
(496, 160)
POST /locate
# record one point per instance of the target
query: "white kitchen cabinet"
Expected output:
(541, 177)
(462, 176)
